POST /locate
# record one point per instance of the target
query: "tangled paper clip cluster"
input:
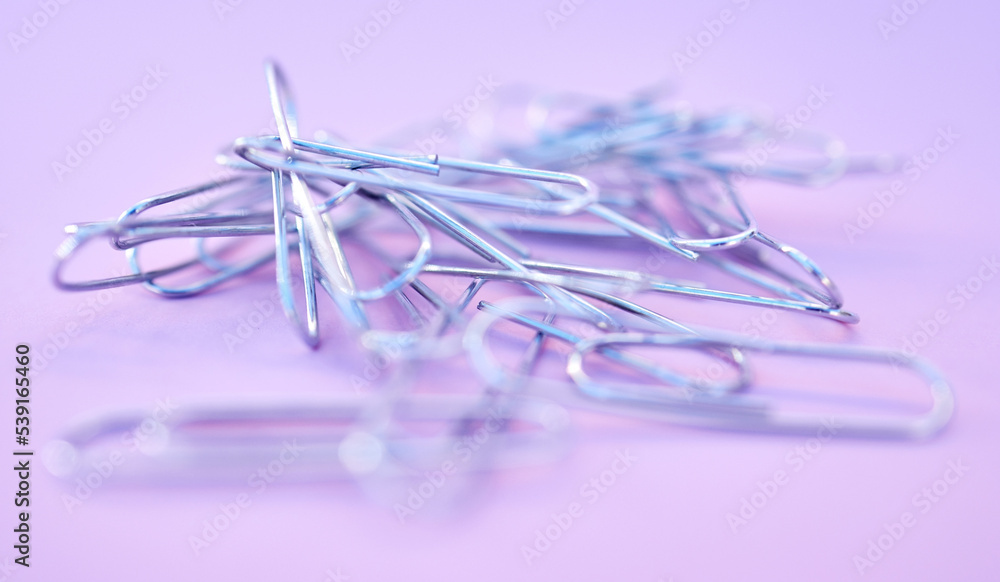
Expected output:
(642, 184)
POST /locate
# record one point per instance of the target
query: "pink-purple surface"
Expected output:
(893, 87)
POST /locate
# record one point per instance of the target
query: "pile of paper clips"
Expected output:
(636, 183)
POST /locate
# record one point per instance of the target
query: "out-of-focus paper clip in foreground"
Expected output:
(310, 441)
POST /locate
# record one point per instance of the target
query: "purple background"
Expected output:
(665, 518)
